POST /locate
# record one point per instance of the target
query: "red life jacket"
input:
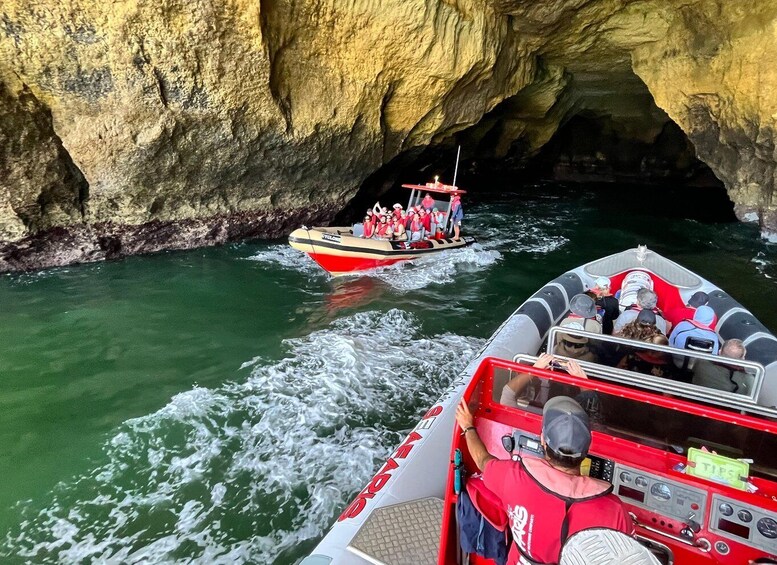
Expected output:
(428, 202)
(369, 229)
(415, 224)
(426, 221)
(545, 506)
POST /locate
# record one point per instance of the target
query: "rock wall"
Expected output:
(139, 125)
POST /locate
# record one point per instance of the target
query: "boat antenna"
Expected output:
(456, 170)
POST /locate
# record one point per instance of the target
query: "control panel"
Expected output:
(657, 494)
(743, 523)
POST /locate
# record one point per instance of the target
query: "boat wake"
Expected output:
(250, 471)
(438, 268)
(281, 255)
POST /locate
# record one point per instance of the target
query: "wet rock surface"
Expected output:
(142, 115)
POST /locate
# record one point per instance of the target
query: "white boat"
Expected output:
(404, 515)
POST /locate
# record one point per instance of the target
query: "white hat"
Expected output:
(397, 205)
(603, 282)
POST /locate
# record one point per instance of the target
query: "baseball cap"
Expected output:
(646, 317)
(583, 306)
(699, 298)
(602, 282)
(565, 427)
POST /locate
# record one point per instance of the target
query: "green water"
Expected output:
(222, 405)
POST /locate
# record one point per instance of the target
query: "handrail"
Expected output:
(757, 368)
(760, 424)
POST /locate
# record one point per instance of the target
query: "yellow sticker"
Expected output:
(731, 472)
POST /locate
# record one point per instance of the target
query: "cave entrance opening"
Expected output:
(600, 132)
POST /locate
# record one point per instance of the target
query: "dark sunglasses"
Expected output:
(572, 344)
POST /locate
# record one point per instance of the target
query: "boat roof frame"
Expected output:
(438, 188)
(689, 391)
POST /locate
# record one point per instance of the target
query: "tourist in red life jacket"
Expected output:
(397, 210)
(369, 228)
(426, 223)
(646, 300)
(416, 228)
(409, 218)
(438, 219)
(427, 203)
(547, 500)
(382, 229)
(677, 315)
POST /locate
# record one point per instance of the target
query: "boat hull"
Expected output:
(339, 252)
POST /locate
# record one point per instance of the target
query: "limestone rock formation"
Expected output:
(140, 125)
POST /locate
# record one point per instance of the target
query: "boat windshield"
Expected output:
(697, 375)
(649, 424)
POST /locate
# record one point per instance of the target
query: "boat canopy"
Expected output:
(436, 187)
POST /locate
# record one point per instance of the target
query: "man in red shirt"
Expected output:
(547, 500)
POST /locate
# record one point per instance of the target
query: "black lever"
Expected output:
(508, 443)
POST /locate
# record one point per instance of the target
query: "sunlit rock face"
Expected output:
(132, 126)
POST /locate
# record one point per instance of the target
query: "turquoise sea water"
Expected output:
(222, 405)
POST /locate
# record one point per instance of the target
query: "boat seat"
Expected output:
(407, 533)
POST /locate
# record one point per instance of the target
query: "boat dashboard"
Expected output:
(644, 444)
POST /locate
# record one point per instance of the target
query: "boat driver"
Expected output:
(547, 499)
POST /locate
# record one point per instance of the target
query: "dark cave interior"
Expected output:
(620, 153)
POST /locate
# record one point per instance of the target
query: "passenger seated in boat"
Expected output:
(397, 210)
(438, 223)
(427, 203)
(726, 377)
(416, 228)
(583, 310)
(400, 234)
(698, 327)
(369, 228)
(606, 304)
(646, 300)
(642, 328)
(574, 346)
(426, 223)
(383, 230)
(546, 500)
(517, 390)
(677, 315)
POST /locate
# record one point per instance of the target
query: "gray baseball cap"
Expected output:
(565, 427)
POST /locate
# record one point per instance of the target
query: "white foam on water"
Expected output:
(525, 233)
(762, 264)
(288, 258)
(249, 471)
(436, 268)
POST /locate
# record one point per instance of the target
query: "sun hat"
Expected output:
(397, 205)
(602, 282)
(573, 325)
(565, 427)
(583, 305)
(699, 298)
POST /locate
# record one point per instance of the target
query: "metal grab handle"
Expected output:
(698, 545)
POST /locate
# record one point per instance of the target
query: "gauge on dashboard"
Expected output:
(661, 491)
(744, 515)
(767, 527)
(726, 509)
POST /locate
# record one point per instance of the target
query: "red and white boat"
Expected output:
(341, 250)
(647, 439)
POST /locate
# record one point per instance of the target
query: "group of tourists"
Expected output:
(691, 326)
(419, 222)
